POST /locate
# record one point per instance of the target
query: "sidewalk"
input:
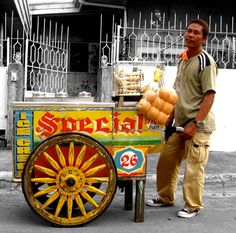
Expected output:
(219, 201)
(221, 165)
(221, 168)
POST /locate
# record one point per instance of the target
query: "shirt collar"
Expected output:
(184, 55)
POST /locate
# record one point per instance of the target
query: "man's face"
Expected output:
(193, 36)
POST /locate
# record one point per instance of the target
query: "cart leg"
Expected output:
(128, 195)
(139, 201)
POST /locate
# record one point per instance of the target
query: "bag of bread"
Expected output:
(157, 106)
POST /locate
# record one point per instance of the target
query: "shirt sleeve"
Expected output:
(208, 78)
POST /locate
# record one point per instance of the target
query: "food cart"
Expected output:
(71, 157)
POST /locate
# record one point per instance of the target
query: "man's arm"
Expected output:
(205, 107)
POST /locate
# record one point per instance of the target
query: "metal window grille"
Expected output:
(11, 40)
(46, 62)
(158, 39)
(44, 54)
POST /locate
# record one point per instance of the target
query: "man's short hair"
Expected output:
(203, 23)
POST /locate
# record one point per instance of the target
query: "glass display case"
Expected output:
(133, 78)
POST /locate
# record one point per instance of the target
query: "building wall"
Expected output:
(3, 99)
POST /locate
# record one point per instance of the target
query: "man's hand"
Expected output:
(169, 130)
(189, 131)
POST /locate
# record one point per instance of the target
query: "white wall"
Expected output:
(3, 98)
(224, 108)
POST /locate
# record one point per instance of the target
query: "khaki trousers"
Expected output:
(195, 151)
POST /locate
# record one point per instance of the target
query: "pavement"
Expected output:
(218, 216)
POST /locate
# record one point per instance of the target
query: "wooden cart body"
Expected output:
(123, 131)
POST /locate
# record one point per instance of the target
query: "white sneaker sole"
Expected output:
(153, 204)
(183, 214)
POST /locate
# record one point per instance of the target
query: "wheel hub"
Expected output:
(70, 180)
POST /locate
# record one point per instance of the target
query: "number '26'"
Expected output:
(129, 160)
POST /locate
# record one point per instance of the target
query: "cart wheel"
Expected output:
(69, 179)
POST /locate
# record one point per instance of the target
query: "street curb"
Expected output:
(6, 176)
(223, 178)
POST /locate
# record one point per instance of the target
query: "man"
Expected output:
(195, 87)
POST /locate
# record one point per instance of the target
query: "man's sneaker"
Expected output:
(155, 203)
(185, 213)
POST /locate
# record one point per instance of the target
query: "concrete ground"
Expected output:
(218, 215)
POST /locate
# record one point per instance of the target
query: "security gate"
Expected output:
(46, 59)
(44, 54)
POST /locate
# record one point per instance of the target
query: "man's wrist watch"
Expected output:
(198, 123)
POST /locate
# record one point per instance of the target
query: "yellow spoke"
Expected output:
(88, 198)
(94, 170)
(71, 154)
(89, 162)
(60, 205)
(80, 204)
(94, 190)
(61, 156)
(43, 180)
(50, 200)
(69, 206)
(97, 179)
(46, 191)
(52, 161)
(46, 171)
(80, 156)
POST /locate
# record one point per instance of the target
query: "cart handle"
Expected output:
(169, 130)
(178, 128)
